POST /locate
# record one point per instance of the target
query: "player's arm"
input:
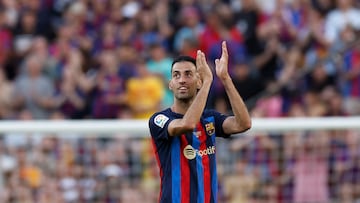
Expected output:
(241, 120)
(193, 114)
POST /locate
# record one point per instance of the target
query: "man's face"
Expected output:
(184, 80)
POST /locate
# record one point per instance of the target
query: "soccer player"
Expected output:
(184, 135)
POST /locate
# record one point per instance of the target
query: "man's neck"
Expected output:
(180, 107)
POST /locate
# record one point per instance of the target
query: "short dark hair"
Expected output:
(183, 58)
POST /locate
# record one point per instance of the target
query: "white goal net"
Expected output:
(88, 161)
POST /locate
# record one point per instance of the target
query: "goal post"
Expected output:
(140, 127)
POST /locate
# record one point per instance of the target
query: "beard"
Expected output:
(184, 97)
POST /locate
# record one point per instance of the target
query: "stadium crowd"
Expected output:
(110, 59)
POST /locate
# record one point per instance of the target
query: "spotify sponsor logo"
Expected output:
(190, 153)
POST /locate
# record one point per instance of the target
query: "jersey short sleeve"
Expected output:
(158, 125)
(219, 119)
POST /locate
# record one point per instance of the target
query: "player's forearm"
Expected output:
(193, 114)
(239, 109)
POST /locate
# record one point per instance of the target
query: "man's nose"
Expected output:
(182, 80)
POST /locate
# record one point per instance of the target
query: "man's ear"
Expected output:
(170, 85)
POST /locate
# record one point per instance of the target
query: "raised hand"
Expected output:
(221, 65)
(203, 68)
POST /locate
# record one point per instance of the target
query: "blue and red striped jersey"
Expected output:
(187, 162)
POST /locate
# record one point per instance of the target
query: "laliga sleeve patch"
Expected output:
(160, 120)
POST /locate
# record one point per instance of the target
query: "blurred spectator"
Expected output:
(220, 26)
(334, 102)
(186, 38)
(310, 168)
(34, 91)
(107, 40)
(323, 6)
(248, 19)
(267, 61)
(110, 90)
(345, 14)
(240, 191)
(348, 190)
(128, 31)
(127, 56)
(145, 92)
(153, 27)
(11, 11)
(351, 80)
(320, 77)
(71, 100)
(40, 48)
(159, 64)
(5, 38)
(6, 93)
(25, 31)
(270, 106)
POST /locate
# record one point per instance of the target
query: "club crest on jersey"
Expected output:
(160, 120)
(210, 129)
